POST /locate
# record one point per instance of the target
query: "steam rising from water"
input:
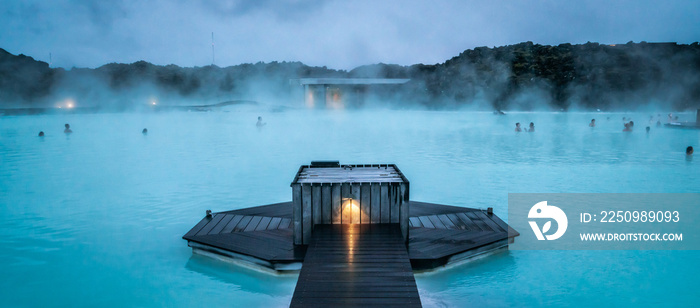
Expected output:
(102, 210)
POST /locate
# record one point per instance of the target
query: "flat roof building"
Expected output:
(338, 93)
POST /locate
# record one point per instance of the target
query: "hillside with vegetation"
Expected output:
(524, 76)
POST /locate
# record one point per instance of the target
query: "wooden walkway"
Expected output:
(356, 265)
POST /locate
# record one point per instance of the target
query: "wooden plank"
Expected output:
(297, 215)
(334, 275)
(436, 222)
(345, 195)
(415, 222)
(486, 219)
(229, 226)
(215, 220)
(425, 209)
(456, 221)
(250, 243)
(220, 226)
(253, 223)
(286, 223)
(316, 204)
(375, 203)
(274, 223)
(365, 207)
(464, 241)
(283, 209)
(356, 198)
(242, 224)
(477, 220)
(384, 196)
(264, 222)
(446, 221)
(326, 205)
(197, 227)
(394, 193)
(426, 222)
(403, 211)
(306, 222)
(504, 226)
(468, 222)
(336, 204)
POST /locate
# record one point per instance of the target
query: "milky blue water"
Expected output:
(96, 218)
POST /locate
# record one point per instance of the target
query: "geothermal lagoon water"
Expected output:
(96, 218)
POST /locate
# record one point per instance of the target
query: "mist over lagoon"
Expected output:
(125, 124)
(96, 216)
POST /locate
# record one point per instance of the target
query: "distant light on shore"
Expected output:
(67, 103)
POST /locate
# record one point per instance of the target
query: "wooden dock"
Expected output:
(438, 235)
(352, 264)
(356, 265)
(357, 233)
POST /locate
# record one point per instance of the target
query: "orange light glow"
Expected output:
(351, 212)
(310, 100)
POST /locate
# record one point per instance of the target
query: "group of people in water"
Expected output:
(530, 129)
(628, 126)
(68, 131)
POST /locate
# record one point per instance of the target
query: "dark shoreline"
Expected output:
(521, 76)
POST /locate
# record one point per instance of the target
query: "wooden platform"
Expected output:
(438, 235)
(442, 234)
(356, 265)
(262, 232)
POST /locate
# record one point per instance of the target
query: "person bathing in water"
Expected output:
(689, 150)
(67, 130)
(260, 122)
(532, 127)
(628, 126)
(592, 124)
(517, 127)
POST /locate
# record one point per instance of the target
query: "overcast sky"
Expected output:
(339, 34)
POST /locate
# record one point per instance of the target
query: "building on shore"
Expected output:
(338, 93)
